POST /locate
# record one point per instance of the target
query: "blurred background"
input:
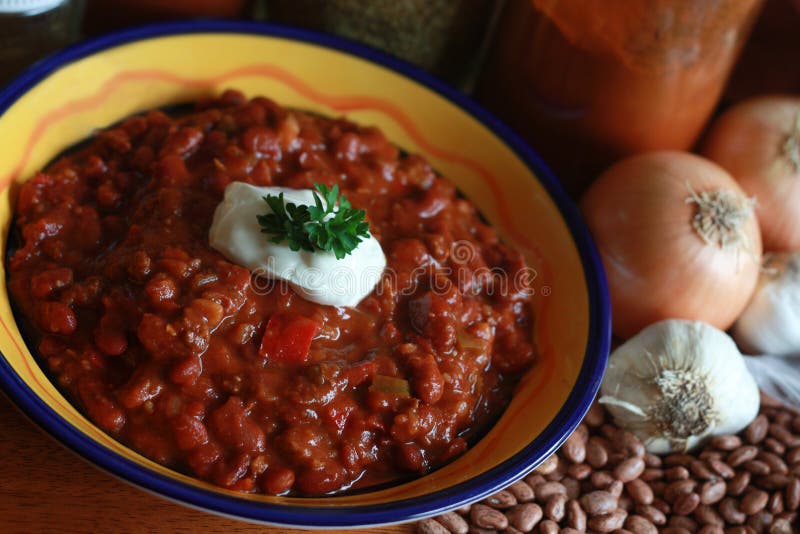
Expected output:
(584, 85)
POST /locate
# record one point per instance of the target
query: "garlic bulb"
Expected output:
(770, 324)
(677, 382)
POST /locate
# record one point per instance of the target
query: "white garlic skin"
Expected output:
(630, 393)
(770, 324)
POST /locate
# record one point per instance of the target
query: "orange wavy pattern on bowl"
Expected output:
(340, 104)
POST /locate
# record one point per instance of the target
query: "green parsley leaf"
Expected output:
(331, 224)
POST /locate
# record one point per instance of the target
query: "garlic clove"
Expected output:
(770, 324)
(678, 382)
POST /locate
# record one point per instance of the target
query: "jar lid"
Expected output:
(28, 6)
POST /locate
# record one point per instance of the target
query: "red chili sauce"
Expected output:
(179, 353)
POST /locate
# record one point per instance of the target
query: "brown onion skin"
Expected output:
(747, 140)
(658, 267)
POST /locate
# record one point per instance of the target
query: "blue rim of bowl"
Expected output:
(565, 421)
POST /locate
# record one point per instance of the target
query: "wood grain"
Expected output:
(46, 488)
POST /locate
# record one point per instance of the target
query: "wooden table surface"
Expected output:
(47, 488)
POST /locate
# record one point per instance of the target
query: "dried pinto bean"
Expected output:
(548, 527)
(639, 491)
(524, 517)
(792, 500)
(712, 492)
(735, 484)
(555, 508)
(487, 517)
(608, 522)
(726, 442)
(640, 525)
(454, 523)
(431, 526)
(757, 430)
(521, 491)
(501, 499)
(754, 501)
(598, 502)
(547, 489)
(743, 454)
(629, 469)
(576, 517)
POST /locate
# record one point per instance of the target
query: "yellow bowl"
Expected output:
(94, 84)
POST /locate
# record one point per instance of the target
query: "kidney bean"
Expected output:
(277, 480)
(427, 379)
(57, 318)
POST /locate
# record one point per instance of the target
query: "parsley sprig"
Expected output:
(331, 224)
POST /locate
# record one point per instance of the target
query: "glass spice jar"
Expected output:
(31, 29)
(444, 37)
(589, 82)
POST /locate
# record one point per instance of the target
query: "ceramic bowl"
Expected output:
(63, 99)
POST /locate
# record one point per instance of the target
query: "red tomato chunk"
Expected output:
(174, 350)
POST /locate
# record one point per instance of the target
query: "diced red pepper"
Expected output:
(361, 372)
(287, 338)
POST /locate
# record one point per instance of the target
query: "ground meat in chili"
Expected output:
(156, 336)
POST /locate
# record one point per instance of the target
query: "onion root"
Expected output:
(791, 147)
(720, 217)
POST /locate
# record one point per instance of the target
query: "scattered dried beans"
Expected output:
(602, 480)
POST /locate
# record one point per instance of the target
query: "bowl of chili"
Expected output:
(103, 82)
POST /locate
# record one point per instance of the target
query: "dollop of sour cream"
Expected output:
(316, 276)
